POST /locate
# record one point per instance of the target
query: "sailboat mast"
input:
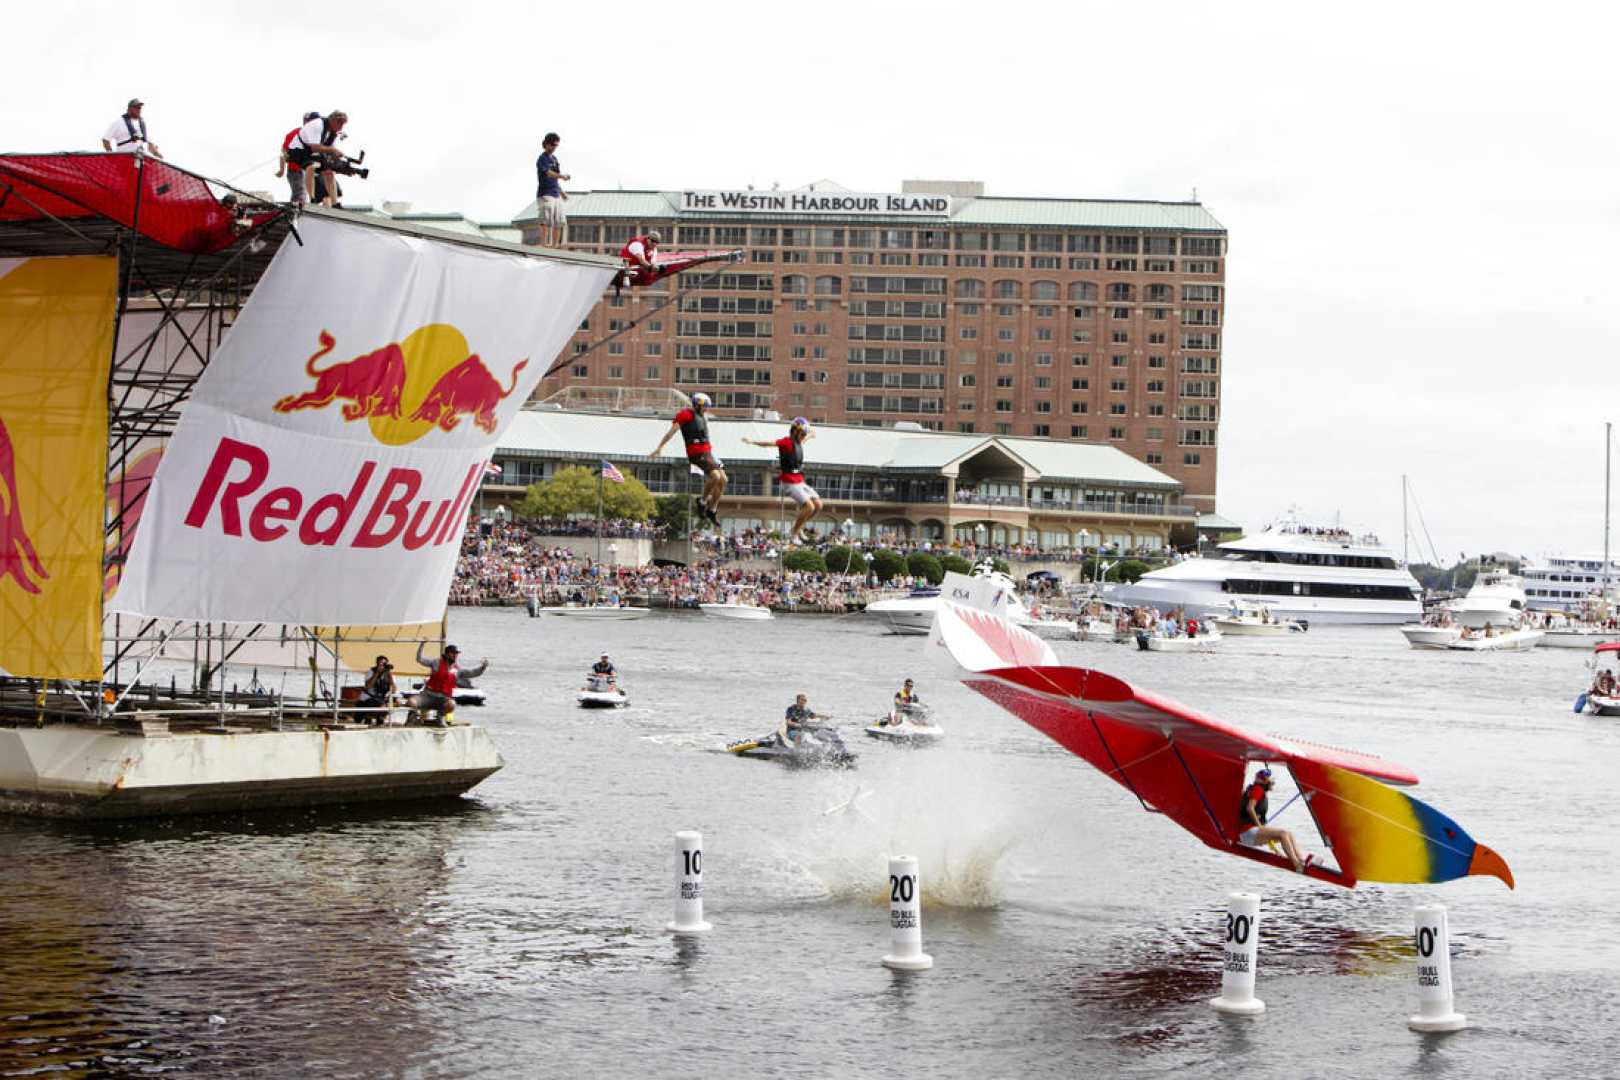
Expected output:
(1406, 532)
(1608, 462)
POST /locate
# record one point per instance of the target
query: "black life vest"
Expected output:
(602, 668)
(130, 125)
(791, 457)
(1260, 807)
(696, 429)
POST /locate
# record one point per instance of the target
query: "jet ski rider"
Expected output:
(1253, 830)
(799, 716)
(604, 669)
(905, 699)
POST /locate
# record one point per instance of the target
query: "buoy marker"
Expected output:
(905, 917)
(1433, 940)
(1239, 950)
(688, 885)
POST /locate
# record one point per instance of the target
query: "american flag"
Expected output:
(611, 473)
(491, 469)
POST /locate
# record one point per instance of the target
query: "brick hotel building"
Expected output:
(1069, 319)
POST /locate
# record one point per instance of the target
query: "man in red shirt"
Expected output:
(1253, 830)
(693, 425)
(790, 473)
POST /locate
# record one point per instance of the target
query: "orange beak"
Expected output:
(1488, 863)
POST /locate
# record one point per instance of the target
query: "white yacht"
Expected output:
(1568, 583)
(1496, 597)
(1300, 572)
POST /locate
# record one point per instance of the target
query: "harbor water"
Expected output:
(520, 931)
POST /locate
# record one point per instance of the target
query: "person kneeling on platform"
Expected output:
(1253, 830)
(378, 691)
(439, 695)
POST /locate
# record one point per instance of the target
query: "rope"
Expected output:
(661, 305)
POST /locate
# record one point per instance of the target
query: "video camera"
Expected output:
(344, 165)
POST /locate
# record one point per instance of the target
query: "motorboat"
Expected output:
(734, 610)
(1496, 599)
(1604, 701)
(821, 746)
(1493, 640)
(1575, 636)
(602, 692)
(1044, 625)
(907, 725)
(1093, 628)
(598, 611)
(1244, 619)
(914, 612)
(1157, 640)
(1431, 635)
(1320, 574)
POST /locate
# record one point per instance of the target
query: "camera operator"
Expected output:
(317, 140)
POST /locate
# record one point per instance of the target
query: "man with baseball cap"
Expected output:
(790, 473)
(127, 134)
(439, 695)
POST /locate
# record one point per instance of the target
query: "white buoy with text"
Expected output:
(1239, 951)
(688, 885)
(905, 917)
(1433, 940)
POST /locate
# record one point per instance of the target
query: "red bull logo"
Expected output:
(404, 390)
(18, 559)
(126, 499)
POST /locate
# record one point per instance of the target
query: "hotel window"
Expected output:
(1157, 292)
(1082, 290)
(859, 238)
(616, 371)
(1117, 409)
(1077, 431)
(828, 285)
(1122, 264)
(1007, 289)
(1120, 337)
(1157, 337)
(798, 352)
(1005, 333)
(968, 310)
(1079, 384)
(968, 356)
(1120, 292)
(1080, 360)
(1004, 382)
(1082, 262)
(970, 262)
(1003, 429)
(820, 328)
(1155, 458)
(1006, 357)
(617, 234)
(1205, 294)
(1161, 266)
(1158, 314)
(933, 238)
(1046, 242)
(1158, 245)
(1044, 311)
(860, 258)
(1043, 359)
(615, 324)
(1155, 386)
(580, 371)
(616, 302)
(827, 237)
(969, 333)
(818, 377)
(966, 405)
(1085, 242)
(1043, 333)
(650, 373)
(1043, 406)
(1082, 312)
(1116, 433)
(969, 287)
(1043, 290)
(826, 258)
(894, 238)
(762, 256)
(965, 427)
(1118, 361)
(1156, 409)
(763, 236)
(796, 237)
(695, 234)
(1007, 262)
(1122, 245)
(652, 348)
(1007, 241)
(1192, 459)
(1003, 405)
(1079, 408)
(581, 234)
(1080, 336)
(795, 283)
(1190, 267)
(616, 348)
(1043, 430)
(795, 256)
(800, 329)
(579, 347)
(1201, 245)
(1006, 311)
(1045, 262)
(930, 258)
(819, 352)
(799, 376)
(1043, 382)
(1156, 362)
(730, 235)
(967, 380)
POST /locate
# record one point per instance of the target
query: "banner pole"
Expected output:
(600, 480)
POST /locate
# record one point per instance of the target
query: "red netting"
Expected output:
(176, 208)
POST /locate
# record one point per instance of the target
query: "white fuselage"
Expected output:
(915, 614)
(1317, 576)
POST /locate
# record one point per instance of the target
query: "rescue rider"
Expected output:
(693, 425)
(790, 474)
(439, 695)
(1253, 830)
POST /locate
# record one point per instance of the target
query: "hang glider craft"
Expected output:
(669, 264)
(1191, 767)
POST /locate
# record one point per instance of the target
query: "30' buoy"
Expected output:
(1239, 950)
(1433, 940)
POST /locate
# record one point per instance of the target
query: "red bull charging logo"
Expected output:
(18, 559)
(406, 389)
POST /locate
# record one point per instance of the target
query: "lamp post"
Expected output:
(1083, 535)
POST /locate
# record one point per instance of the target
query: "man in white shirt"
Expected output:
(127, 134)
(318, 136)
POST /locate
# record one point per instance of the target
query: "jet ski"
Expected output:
(601, 692)
(907, 725)
(821, 746)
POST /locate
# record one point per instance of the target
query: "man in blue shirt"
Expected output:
(553, 220)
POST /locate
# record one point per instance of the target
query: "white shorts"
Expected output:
(1250, 837)
(552, 214)
(800, 493)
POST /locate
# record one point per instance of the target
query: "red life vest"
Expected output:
(443, 679)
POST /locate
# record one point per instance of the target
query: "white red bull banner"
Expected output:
(325, 466)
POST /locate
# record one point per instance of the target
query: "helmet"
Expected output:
(799, 421)
(1263, 774)
(655, 236)
(701, 399)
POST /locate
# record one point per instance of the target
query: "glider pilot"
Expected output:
(693, 425)
(1253, 830)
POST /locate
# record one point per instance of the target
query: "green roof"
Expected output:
(988, 211)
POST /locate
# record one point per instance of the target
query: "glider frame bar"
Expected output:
(1213, 820)
(1118, 768)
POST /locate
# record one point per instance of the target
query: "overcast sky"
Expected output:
(1421, 198)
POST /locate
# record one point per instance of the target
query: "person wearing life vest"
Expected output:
(693, 424)
(790, 473)
(639, 268)
(905, 699)
(604, 668)
(127, 134)
(799, 716)
(319, 135)
(439, 695)
(289, 168)
(1252, 828)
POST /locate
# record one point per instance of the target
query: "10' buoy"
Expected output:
(1435, 1012)
(1239, 950)
(688, 885)
(905, 917)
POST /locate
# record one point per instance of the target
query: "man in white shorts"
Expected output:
(553, 217)
(790, 473)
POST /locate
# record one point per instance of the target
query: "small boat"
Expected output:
(735, 611)
(599, 611)
(1497, 641)
(1096, 629)
(1435, 634)
(1572, 636)
(1156, 641)
(907, 725)
(821, 746)
(1246, 619)
(601, 692)
(1604, 701)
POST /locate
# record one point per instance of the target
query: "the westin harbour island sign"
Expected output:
(815, 202)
